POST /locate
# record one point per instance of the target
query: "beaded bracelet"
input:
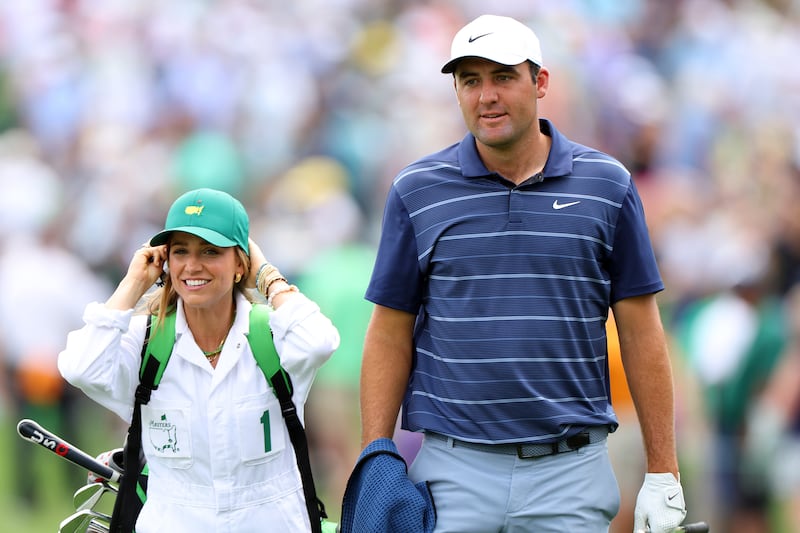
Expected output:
(284, 290)
(273, 280)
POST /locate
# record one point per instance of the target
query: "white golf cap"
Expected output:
(503, 40)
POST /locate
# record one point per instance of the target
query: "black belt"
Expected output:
(530, 451)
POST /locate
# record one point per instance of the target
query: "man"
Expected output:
(499, 259)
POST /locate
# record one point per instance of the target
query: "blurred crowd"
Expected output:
(305, 110)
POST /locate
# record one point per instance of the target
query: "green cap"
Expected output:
(212, 215)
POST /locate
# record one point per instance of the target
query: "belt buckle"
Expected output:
(578, 440)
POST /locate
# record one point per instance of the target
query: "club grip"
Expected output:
(32, 431)
(695, 527)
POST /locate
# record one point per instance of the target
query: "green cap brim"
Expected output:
(207, 235)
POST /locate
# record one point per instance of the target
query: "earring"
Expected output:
(237, 278)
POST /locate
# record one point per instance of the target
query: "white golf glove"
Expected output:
(660, 504)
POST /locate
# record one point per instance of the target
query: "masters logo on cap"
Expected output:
(503, 40)
(214, 216)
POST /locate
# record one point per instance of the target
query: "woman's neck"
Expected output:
(210, 326)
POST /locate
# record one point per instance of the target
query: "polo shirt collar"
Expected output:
(559, 161)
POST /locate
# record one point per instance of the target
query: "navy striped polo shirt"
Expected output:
(511, 286)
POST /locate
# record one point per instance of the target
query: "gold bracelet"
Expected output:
(260, 274)
(266, 276)
(265, 270)
(261, 270)
(284, 290)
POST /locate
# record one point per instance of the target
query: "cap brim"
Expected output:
(208, 235)
(450, 66)
(507, 60)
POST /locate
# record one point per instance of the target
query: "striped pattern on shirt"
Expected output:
(512, 286)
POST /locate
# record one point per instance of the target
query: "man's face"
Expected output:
(499, 102)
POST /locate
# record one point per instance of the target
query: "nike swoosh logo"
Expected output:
(670, 498)
(472, 39)
(557, 205)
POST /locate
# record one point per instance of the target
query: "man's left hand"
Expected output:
(660, 504)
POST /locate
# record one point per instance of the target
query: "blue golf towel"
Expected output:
(380, 498)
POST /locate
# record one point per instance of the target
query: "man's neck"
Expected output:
(520, 162)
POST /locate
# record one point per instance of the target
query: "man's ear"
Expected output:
(542, 82)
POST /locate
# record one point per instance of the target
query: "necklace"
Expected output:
(213, 353)
(210, 356)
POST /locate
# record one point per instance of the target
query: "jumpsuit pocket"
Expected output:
(260, 426)
(166, 435)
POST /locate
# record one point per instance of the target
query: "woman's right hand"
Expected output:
(147, 264)
(144, 270)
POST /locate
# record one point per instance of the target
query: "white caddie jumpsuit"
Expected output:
(218, 451)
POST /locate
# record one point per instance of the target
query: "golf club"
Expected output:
(97, 527)
(30, 430)
(87, 496)
(79, 521)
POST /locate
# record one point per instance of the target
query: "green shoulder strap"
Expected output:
(156, 356)
(260, 339)
(159, 348)
(162, 340)
(269, 362)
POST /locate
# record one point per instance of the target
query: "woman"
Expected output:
(213, 400)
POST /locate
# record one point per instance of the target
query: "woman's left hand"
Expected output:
(256, 260)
